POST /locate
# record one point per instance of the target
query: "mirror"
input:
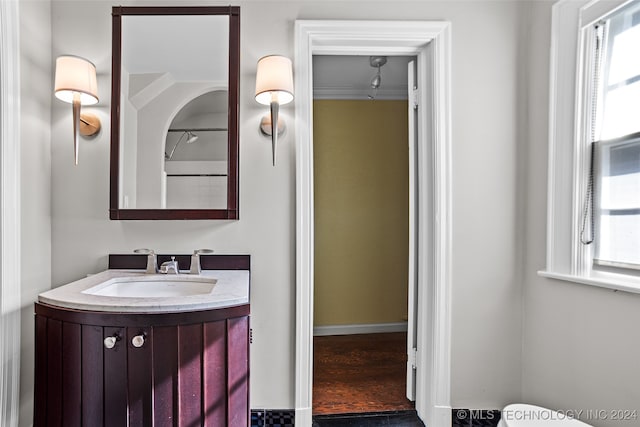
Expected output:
(174, 113)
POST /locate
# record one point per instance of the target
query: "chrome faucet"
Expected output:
(152, 263)
(196, 267)
(170, 266)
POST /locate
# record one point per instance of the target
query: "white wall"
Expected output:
(487, 107)
(487, 80)
(581, 343)
(36, 98)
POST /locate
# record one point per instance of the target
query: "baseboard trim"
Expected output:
(371, 328)
(304, 417)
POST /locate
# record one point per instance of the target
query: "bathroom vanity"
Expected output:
(107, 355)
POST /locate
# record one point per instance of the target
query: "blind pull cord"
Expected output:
(587, 232)
(588, 215)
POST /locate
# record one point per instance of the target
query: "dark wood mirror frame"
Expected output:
(231, 212)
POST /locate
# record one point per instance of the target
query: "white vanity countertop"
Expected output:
(231, 289)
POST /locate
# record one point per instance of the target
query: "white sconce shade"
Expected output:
(274, 79)
(274, 87)
(76, 75)
(76, 83)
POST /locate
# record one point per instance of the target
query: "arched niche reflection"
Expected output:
(196, 155)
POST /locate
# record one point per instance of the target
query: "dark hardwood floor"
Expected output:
(360, 374)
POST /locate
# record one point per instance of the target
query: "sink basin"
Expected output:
(153, 287)
(132, 291)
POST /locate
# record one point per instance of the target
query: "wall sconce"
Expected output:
(76, 84)
(274, 87)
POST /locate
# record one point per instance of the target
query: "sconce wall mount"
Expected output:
(266, 128)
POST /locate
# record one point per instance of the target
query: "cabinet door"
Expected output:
(57, 365)
(115, 379)
(190, 375)
(92, 407)
(215, 373)
(238, 366)
(139, 376)
(165, 375)
(178, 375)
(69, 380)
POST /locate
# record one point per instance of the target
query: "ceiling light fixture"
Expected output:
(376, 62)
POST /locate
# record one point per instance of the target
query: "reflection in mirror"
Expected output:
(195, 154)
(174, 138)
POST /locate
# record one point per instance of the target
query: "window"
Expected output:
(618, 227)
(616, 98)
(620, 103)
(595, 115)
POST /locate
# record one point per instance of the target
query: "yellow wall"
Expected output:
(361, 211)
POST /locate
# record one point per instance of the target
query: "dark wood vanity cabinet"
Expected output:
(164, 369)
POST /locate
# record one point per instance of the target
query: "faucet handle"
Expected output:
(195, 260)
(152, 264)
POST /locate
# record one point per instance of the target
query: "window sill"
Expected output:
(616, 282)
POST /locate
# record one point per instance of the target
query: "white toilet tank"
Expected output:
(523, 415)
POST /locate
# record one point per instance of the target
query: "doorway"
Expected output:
(10, 232)
(431, 43)
(361, 227)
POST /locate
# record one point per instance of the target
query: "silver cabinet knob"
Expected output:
(137, 341)
(110, 342)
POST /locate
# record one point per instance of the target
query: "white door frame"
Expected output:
(9, 213)
(431, 43)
